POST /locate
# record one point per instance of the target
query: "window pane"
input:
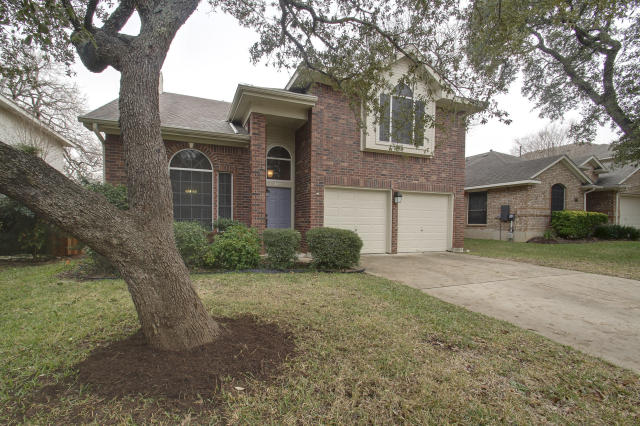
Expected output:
(402, 115)
(281, 169)
(192, 192)
(385, 117)
(403, 90)
(419, 124)
(190, 159)
(477, 213)
(224, 195)
(557, 197)
(278, 152)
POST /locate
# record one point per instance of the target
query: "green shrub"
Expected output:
(616, 232)
(222, 224)
(575, 224)
(191, 240)
(333, 248)
(281, 246)
(237, 248)
(115, 194)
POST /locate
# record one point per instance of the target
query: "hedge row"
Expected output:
(574, 224)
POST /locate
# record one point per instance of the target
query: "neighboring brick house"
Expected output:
(297, 157)
(533, 187)
(616, 190)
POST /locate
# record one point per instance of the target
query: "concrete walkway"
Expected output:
(597, 314)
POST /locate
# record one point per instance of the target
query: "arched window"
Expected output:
(278, 164)
(191, 182)
(557, 197)
(402, 118)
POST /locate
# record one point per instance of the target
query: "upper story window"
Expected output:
(278, 164)
(557, 197)
(402, 117)
(191, 183)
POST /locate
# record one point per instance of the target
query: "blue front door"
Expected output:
(278, 207)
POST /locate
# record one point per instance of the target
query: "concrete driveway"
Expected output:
(597, 314)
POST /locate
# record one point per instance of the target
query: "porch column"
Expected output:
(258, 174)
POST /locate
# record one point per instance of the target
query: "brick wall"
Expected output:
(602, 202)
(302, 196)
(531, 204)
(223, 159)
(335, 158)
(258, 170)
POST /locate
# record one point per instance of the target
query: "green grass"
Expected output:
(369, 351)
(616, 258)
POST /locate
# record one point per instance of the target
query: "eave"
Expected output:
(174, 133)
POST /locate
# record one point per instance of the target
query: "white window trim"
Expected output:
(218, 196)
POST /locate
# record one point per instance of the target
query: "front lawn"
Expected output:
(368, 350)
(616, 258)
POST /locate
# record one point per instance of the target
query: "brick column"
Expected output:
(258, 174)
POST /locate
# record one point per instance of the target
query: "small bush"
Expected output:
(574, 224)
(191, 240)
(237, 248)
(222, 224)
(22, 231)
(333, 248)
(281, 246)
(616, 232)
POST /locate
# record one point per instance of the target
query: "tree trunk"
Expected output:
(170, 312)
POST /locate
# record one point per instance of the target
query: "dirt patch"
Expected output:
(130, 367)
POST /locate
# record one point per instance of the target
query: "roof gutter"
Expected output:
(502, 185)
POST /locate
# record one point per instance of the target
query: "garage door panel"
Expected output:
(630, 211)
(423, 222)
(362, 211)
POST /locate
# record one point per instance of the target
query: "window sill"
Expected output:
(477, 225)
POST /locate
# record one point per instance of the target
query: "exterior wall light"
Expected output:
(397, 197)
(269, 173)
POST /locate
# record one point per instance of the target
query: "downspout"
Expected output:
(101, 138)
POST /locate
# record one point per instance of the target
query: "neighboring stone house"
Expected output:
(532, 188)
(298, 158)
(17, 127)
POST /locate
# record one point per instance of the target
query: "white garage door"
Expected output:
(630, 211)
(423, 222)
(359, 210)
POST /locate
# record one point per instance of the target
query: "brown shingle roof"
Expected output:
(180, 112)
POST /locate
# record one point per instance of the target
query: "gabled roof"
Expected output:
(14, 109)
(178, 112)
(495, 169)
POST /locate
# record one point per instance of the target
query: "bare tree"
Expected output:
(543, 143)
(44, 90)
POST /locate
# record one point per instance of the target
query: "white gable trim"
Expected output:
(500, 185)
(631, 174)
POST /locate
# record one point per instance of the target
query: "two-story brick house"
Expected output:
(298, 157)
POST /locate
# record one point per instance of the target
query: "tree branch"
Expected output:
(119, 17)
(71, 14)
(88, 16)
(78, 211)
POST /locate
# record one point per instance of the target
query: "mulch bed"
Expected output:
(189, 381)
(248, 348)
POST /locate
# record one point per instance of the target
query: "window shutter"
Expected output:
(385, 117)
(418, 131)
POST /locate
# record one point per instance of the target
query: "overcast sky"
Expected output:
(210, 56)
